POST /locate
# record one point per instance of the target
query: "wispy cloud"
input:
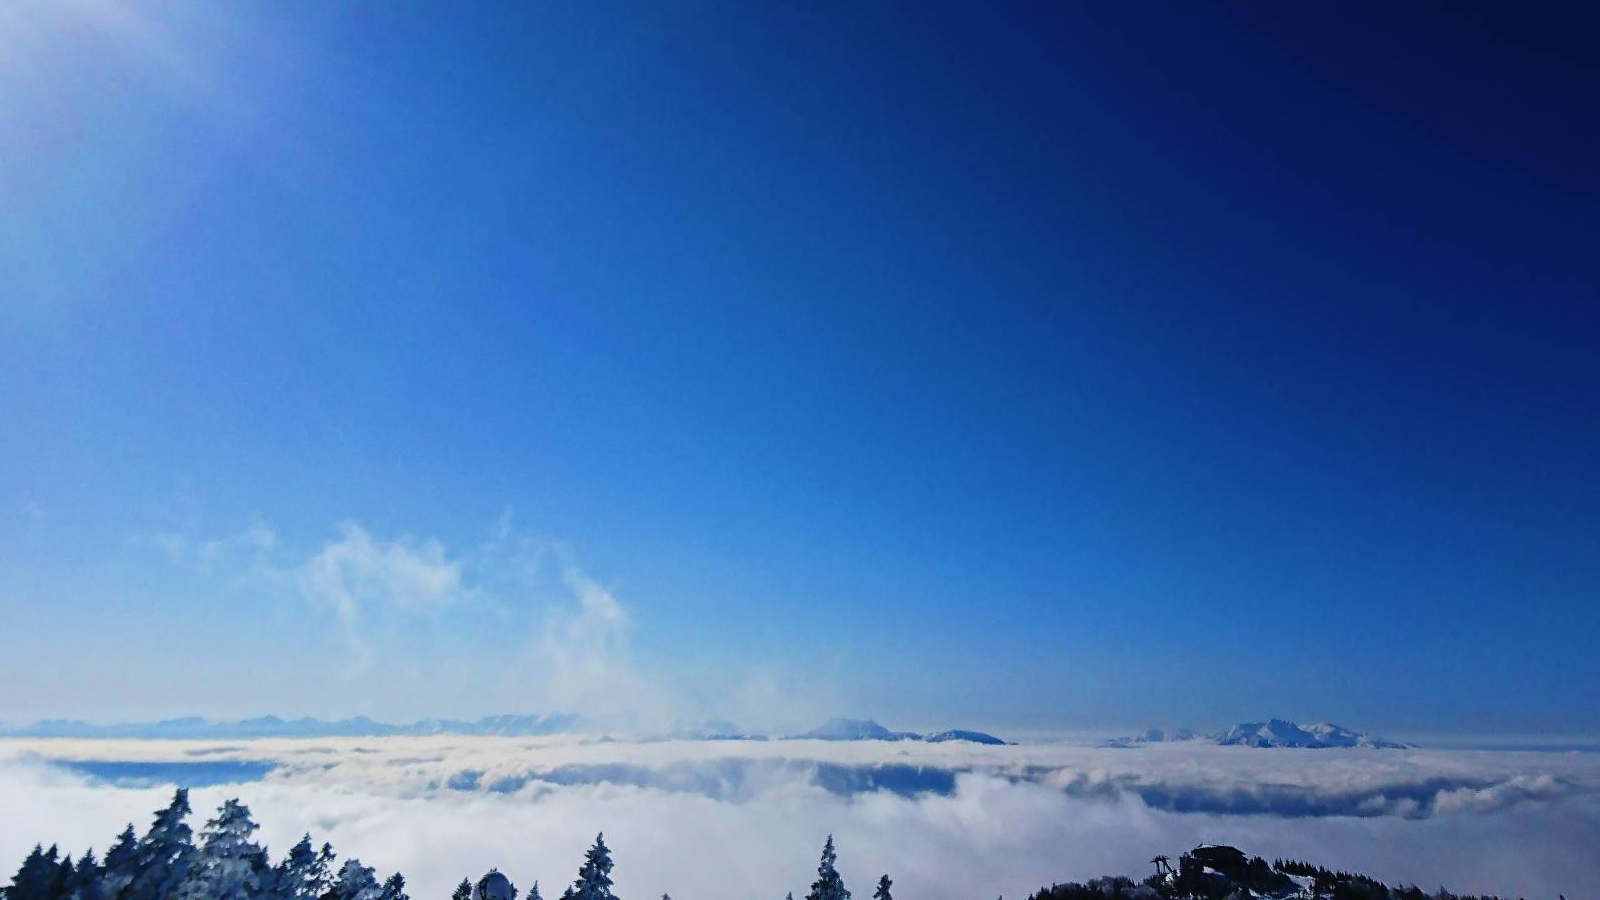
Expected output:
(582, 658)
(357, 571)
(237, 554)
(567, 633)
(511, 622)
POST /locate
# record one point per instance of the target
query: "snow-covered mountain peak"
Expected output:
(1271, 733)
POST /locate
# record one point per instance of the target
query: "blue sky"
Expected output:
(1067, 368)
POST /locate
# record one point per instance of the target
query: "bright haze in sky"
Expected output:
(1050, 370)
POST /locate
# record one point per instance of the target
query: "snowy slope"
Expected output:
(957, 734)
(1283, 733)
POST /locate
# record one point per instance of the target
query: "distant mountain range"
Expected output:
(868, 730)
(196, 728)
(1271, 733)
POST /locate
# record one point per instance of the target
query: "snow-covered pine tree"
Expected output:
(229, 865)
(463, 891)
(882, 893)
(395, 888)
(828, 886)
(61, 879)
(162, 857)
(87, 879)
(303, 874)
(356, 882)
(594, 879)
(568, 893)
(118, 868)
(32, 881)
(325, 861)
(533, 893)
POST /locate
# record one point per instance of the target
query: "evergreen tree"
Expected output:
(229, 865)
(162, 857)
(828, 886)
(594, 879)
(568, 893)
(119, 865)
(32, 881)
(534, 893)
(88, 879)
(61, 879)
(395, 888)
(464, 890)
(356, 882)
(325, 859)
(303, 874)
(882, 893)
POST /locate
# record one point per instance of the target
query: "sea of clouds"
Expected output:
(722, 820)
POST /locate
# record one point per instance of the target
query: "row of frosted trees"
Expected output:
(166, 863)
(594, 881)
(227, 864)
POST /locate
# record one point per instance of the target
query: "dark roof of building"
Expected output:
(1219, 856)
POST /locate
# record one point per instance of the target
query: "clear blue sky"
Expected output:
(1069, 367)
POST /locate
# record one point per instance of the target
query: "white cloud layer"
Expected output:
(719, 820)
